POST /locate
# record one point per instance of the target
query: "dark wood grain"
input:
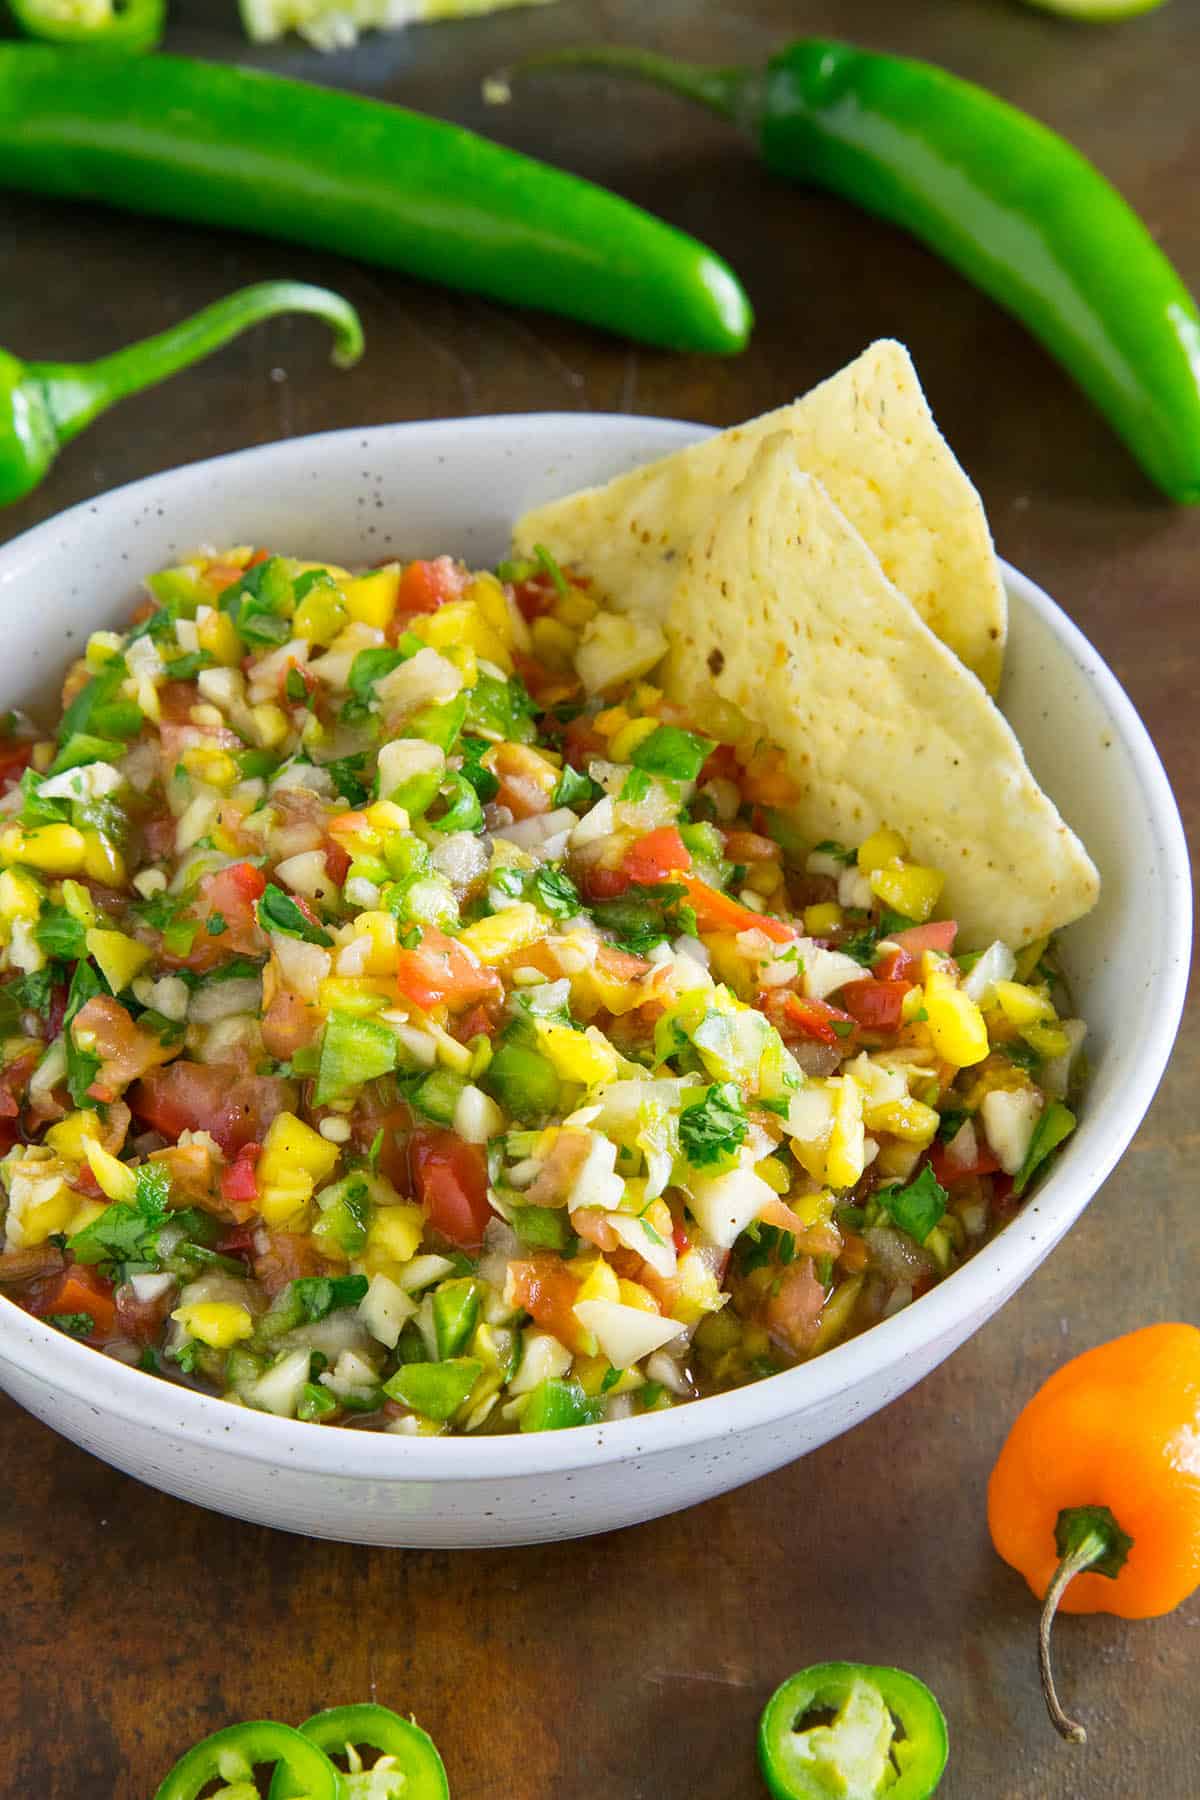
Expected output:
(636, 1665)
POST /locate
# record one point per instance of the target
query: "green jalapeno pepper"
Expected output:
(1013, 206)
(405, 1752)
(255, 152)
(232, 1756)
(44, 405)
(887, 1735)
(118, 24)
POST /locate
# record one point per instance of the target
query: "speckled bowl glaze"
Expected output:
(417, 490)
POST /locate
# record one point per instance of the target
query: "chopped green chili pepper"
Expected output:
(353, 1050)
(1012, 205)
(339, 172)
(555, 1405)
(403, 1749)
(115, 24)
(1055, 1123)
(44, 405)
(887, 1735)
(435, 1389)
(524, 1082)
(233, 1754)
(455, 1315)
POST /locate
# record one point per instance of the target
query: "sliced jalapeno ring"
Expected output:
(874, 1732)
(232, 1756)
(402, 1746)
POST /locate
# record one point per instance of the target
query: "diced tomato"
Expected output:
(15, 758)
(337, 861)
(535, 595)
(82, 1290)
(765, 779)
(289, 1024)
(938, 934)
(817, 1020)
(620, 965)
(289, 1256)
(13, 1081)
(235, 1109)
(601, 883)
(716, 911)
(547, 1290)
(793, 1311)
(658, 856)
(750, 846)
(239, 1239)
(379, 1118)
(233, 893)
(239, 1182)
(875, 1004)
(125, 1049)
(526, 780)
(721, 764)
(424, 586)
(450, 1178)
(894, 965)
(142, 1320)
(582, 742)
(948, 1172)
(438, 971)
(479, 1022)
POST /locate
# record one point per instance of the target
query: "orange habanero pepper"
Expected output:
(1095, 1498)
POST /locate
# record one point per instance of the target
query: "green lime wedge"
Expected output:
(1095, 12)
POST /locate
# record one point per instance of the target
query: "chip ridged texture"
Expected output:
(869, 436)
(781, 610)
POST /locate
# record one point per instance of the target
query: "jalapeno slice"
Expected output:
(233, 1755)
(874, 1732)
(404, 1749)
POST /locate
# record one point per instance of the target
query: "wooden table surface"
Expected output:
(636, 1665)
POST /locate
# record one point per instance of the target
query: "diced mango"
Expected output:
(956, 1025)
(1046, 1039)
(909, 889)
(102, 861)
(216, 633)
(882, 847)
(493, 939)
(218, 1323)
(909, 1120)
(625, 742)
(20, 896)
(462, 623)
(55, 849)
(371, 599)
(393, 1236)
(1022, 1005)
(632, 1293)
(845, 1155)
(119, 957)
(823, 918)
(584, 1056)
(320, 616)
(599, 1279)
(71, 1136)
(79, 902)
(115, 1179)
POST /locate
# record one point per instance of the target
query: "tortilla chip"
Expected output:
(781, 610)
(869, 436)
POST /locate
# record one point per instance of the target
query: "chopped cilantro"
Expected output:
(78, 1325)
(635, 787)
(501, 710)
(347, 777)
(215, 924)
(1055, 1123)
(839, 852)
(669, 751)
(35, 992)
(574, 789)
(277, 911)
(645, 915)
(82, 1066)
(918, 1207)
(60, 935)
(951, 1124)
(712, 1128)
(610, 1380)
(296, 688)
(473, 750)
(555, 892)
(319, 1295)
(370, 666)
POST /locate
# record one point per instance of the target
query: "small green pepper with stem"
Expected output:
(1013, 206)
(44, 405)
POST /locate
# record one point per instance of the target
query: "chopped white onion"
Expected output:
(221, 999)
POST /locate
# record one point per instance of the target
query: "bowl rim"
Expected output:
(185, 1415)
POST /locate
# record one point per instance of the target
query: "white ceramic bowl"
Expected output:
(418, 490)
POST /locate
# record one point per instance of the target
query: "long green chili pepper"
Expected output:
(44, 405)
(119, 24)
(239, 148)
(1008, 202)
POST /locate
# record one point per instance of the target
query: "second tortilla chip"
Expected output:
(782, 611)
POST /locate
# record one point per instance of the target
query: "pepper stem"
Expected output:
(76, 392)
(1087, 1537)
(721, 90)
